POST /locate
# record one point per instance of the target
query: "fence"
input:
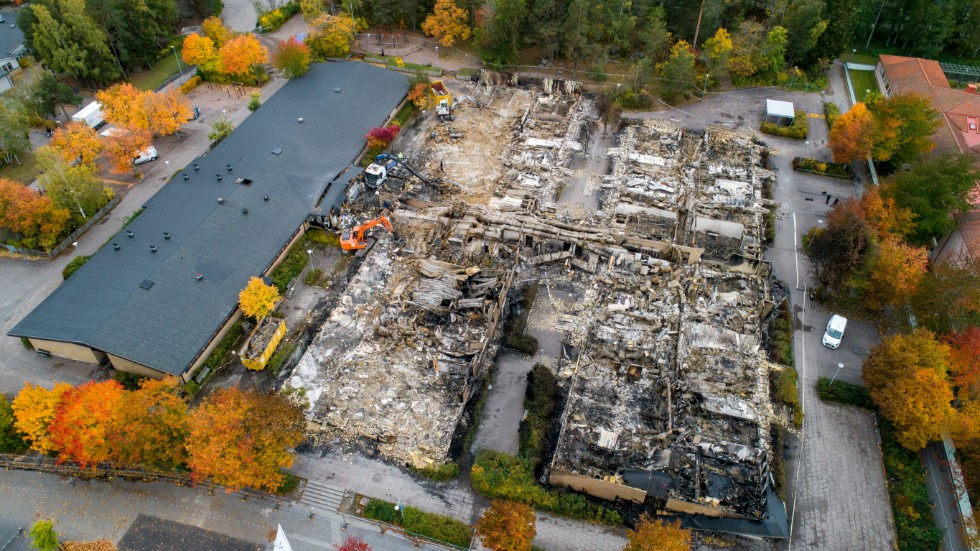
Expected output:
(72, 237)
(185, 74)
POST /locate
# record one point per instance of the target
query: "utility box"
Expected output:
(262, 343)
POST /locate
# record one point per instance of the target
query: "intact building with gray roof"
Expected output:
(156, 299)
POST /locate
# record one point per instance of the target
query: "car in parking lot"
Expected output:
(835, 331)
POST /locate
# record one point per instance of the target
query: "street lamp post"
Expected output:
(792, 80)
(704, 93)
(832, 379)
(179, 70)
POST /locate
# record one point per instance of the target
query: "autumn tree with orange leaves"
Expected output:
(123, 105)
(907, 378)
(239, 57)
(79, 430)
(884, 215)
(167, 111)
(77, 140)
(507, 526)
(34, 220)
(898, 268)
(34, 409)
(852, 136)
(243, 439)
(420, 96)
(447, 22)
(149, 427)
(122, 146)
(657, 535)
(352, 543)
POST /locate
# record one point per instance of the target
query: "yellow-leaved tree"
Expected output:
(258, 299)
(658, 535)
(907, 377)
(34, 409)
(447, 22)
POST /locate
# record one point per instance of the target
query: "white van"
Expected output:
(145, 156)
(835, 331)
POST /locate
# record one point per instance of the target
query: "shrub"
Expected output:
(25, 61)
(322, 237)
(382, 136)
(500, 476)
(191, 84)
(770, 219)
(74, 265)
(540, 401)
(288, 484)
(779, 459)
(279, 358)
(129, 381)
(911, 507)
(220, 129)
(786, 392)
(26, 342)
(442, 473)
(438, 527)
(291, 267)
(380, 510)
(831, 112)
(273, 19)
(255, 101)
(191, 388)
(797, 130)
(844, 393)
(632, 99)
(225, 345)
(525, 344)
(404, 114)
(823, 168)
(313, 276)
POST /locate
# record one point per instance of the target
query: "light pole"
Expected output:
(179, 70)
(832, 379)
(704, 93)
(792, 80)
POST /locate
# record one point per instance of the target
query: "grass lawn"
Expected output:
(24, 172)
(153, 77)
(864, 59)
(862, 82)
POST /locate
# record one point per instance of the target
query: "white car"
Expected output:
(147, 155)
(835, 331)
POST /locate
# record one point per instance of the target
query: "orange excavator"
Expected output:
(353, 238)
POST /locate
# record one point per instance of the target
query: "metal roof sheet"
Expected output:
(167, 326)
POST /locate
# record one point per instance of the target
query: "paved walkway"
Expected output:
(89, 510)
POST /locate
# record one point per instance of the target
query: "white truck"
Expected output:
(91, 115)
(144, 156)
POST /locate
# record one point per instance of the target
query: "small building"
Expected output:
(11, 48)
(780, 112)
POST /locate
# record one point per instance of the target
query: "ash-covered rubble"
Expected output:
(667, 386)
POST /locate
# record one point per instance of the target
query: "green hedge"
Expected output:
(831, 112)
(430, 525)
(844, 393)
(404, 114)
(291, 267)
(500, 476)
(785, 391)
(74, 265)
(442, 473)
(911, 508)
(796, 131)
(540, 401)
(841, 171)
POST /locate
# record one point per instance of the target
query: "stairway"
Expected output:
(322, 496)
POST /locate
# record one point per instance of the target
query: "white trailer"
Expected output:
(91, 115)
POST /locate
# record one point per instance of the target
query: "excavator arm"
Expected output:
(353, 239)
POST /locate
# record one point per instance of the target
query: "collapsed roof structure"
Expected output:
(666, 380)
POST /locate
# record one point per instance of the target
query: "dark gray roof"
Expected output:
(10, 38)
(165, 327)
(156, 534)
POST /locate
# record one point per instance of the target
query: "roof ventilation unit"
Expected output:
(153, 248)
(228, 166)
(243, 181)
(337, 89)
(166, 235)
(244, 211)
(277, 151)
(116, 246)
(197, 166)
(199, 277)
(147, 283)
(221, 200)
(186, 176)
(220, 177)
(265, 197)
(130, 233)
(300, 120)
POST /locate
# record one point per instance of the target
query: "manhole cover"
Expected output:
(376, 478)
